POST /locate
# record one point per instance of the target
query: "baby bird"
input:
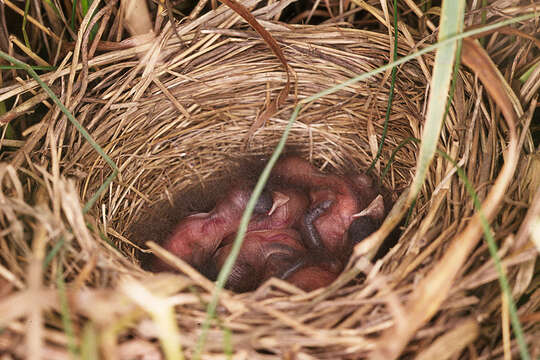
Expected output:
(366, 222)
(312, 277)
(288, 205)
(264, 254)
(303, 228)
(333, 203)
(196, 237)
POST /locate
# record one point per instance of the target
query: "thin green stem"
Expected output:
(65, 312)
(73, 12)
(483, 19)
(242, 229)
(493, 250)
(25, 35)
(11, 67)
(75, 123)
(419, 53)
(391, 93)
(56, 248)
(394, 152)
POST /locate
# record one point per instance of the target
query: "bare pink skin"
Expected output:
(365, 189)
(311, 278)
(196, 237)
(264, 254)
(334, 222)
(290, 204)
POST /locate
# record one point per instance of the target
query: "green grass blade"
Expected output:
(394, 153)
(451, 23)
(242, 229)
(75, 123)
(73, 14)
(25, 35)
(11, 67)
(84, 6)
(65, 312)
(50, 256)
(390, 94)
(484, 19)
(89, 345)
(528, 73)
(492, 246)
(51, 4)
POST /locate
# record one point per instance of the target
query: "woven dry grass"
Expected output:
(173, 117)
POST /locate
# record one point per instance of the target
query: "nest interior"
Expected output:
(165, 147)
(173, 118)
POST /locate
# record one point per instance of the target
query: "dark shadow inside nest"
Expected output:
(159, 224)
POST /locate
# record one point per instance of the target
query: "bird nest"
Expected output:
(175, 116)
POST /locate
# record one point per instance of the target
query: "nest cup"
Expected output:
(175, 116)
(178, 148)
(175, 147)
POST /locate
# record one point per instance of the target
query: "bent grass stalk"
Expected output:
(65, 312)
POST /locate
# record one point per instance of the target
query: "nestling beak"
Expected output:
(374, 210)
(280, 199)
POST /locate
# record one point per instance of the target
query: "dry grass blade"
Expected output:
(452, 343)
(274, 104)
(163, 314)
(137, 17)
